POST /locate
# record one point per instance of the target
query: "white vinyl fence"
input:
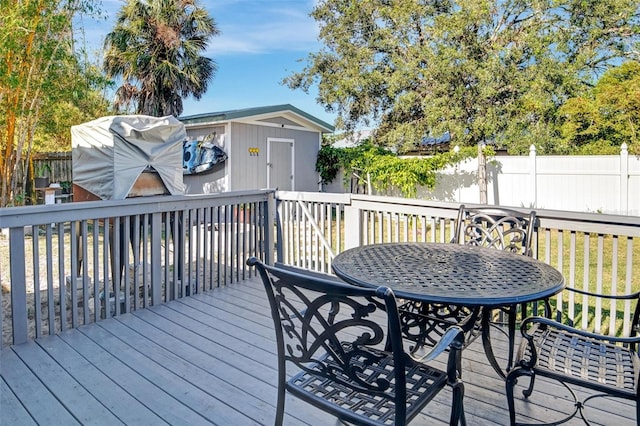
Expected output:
(596, 183)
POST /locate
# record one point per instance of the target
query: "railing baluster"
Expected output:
(62, 288)
(598, 314)
(156, 255)
(614, 285)
(572, 274)
(107, 271)
(36, 281)
(628, 288)
(585, 282)
(95, 249)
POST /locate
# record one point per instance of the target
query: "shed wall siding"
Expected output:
(250, 171)
(215, 181)
(281, 121)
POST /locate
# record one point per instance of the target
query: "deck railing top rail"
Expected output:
(42, 214)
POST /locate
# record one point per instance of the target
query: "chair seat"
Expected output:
(423, 383)
(588, 362)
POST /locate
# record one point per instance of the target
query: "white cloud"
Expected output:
(264, 26)
(247, 26)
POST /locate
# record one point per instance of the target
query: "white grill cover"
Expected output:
(108, 154)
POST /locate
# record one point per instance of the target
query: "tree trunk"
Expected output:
(482, 174)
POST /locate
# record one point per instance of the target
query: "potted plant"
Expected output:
(66, 186)
(41, 180)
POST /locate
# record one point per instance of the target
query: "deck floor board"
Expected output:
(210, 359)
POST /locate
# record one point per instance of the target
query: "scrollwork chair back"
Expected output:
(345, 342)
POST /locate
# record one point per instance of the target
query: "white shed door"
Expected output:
(280, 164)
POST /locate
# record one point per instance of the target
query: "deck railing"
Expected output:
(168, 247)
(594, 252)
(57, 262)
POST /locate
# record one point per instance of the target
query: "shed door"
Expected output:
(280, 164)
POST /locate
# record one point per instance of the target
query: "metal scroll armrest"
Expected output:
(453, 338)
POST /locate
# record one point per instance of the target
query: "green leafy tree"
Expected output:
(82, 101)
(607, 116)
(483, 70)
(39, 72)
(155, 48)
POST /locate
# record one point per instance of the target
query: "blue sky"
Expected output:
(262, 42)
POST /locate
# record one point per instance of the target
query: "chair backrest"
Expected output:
(494, 227)
(314, 317)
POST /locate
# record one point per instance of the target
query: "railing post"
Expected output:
(352, 227)
(156, 257)
(279, 234)
(17, 258)
(624, 179)
(533, 177)
(269, 233)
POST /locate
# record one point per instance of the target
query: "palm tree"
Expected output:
(155, 49)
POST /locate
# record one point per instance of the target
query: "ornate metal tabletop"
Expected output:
(450, 273)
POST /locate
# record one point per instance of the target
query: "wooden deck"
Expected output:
(210, 359)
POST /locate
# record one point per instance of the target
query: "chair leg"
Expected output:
(510, 382)
(457, 406)
(280, 404)
(528, 391)
(280, 410)
(512, 313)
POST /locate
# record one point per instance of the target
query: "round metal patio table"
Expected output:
(454, 274)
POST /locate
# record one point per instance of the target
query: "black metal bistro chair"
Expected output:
(502, 229)
(346, 343)
(606, 363)
(493, 227)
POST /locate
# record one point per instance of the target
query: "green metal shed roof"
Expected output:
(239, 114)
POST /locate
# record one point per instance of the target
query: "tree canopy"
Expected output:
(44, 85)
(606, 116)
(155, 49)
(483, 70)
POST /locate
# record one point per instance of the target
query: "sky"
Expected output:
(261, 42)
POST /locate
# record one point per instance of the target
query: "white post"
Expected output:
(482, 173)
(533, 178)
(50, 195)
(352, 227)
(624, 179)
(456, 149)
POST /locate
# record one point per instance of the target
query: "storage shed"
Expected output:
(267, 147)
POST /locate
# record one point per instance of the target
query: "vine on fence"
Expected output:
(381, 169)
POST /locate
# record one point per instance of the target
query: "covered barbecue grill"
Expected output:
(123, 156)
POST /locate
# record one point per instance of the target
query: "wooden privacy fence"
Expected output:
(56, 166)
(59, 165)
